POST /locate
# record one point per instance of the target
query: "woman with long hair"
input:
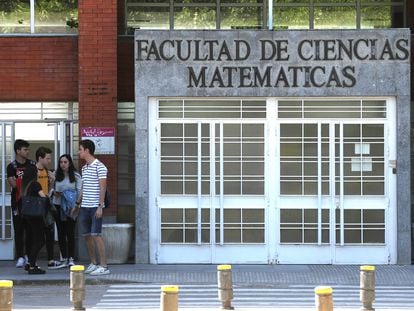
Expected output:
(67, 188)
(31, 187)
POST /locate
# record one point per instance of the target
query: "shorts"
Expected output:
(88, 223)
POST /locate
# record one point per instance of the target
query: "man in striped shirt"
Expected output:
(94, 175)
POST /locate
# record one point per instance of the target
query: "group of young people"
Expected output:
(74, 199)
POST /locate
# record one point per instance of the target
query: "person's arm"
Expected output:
(11, 176)
(102, 190)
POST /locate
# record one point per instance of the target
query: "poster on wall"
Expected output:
(103, 137)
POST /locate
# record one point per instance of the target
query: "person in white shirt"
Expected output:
(94, 175)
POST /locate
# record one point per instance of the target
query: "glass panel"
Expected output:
(290, 216)
(241, 18)
(148, 1)
(232, 236)
(147, 18)
(172, 215)
(352, 236)
(290, 130)
(15, 16)
(311, 216)
(335, 18)
(290, 18)
(253, 236)
(59, 16)
(310, 236)
(291, 236)
(374, 236)
(172, 236)
(374, 17)
(253, 216)
(194, 18)
(190, 235)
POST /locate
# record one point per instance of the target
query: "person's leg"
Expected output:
(27, 237)
(96, 232)
(50, 240)
(90, 245)
(69, 226)
(18, 226)
(60, 225)
(100, 245)
(38, 238)
(85, 219)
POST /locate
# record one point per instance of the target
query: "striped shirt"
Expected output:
(91, 173)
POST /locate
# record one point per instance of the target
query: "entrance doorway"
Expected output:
(60, 135)
(272, 181)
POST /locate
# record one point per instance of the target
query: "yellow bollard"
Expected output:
(169, 298)
(323, 298)
(367, 287)
(77, 287)
(6, 295)
(225, 286)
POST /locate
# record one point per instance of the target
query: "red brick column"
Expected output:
(97, 52)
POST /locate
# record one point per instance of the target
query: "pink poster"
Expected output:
(103, 137)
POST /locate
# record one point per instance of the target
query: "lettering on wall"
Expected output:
(269, 63)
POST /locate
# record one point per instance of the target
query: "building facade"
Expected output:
(235, 131)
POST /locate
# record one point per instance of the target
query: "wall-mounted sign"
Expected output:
(103, 137)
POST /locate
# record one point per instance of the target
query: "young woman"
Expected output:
(31, 187)
(66, 194)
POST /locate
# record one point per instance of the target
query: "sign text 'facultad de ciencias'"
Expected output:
(266, 63)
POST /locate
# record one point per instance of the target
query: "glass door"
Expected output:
(57, 135)
(334, 197)
(6, 226)
(212, 192)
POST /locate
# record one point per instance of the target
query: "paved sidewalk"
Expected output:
(263, 275)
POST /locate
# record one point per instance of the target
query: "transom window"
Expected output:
(258, 14)
(39, 16)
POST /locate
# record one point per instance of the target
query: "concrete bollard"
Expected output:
(77, 287)
(6, 295)
(169, 298)
(367, 287)
(323, 298)
(225, 286)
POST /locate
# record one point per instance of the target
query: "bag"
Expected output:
(107, 199)
(33, 206)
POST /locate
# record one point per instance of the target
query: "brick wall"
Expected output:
(38, 68)
(98, 73)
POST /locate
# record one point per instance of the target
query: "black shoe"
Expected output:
(36, 270)
(26, 267)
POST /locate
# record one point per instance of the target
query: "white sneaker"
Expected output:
(100, 271)
(91, 268)
(20, 262)
(71, 262)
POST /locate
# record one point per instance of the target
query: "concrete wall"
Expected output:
(378, 66)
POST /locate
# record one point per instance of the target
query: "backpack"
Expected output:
(107, 199)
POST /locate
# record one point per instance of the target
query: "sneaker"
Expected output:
(70, 262)
(92, 267)
(54, 264)
(100, 271)
(20, 262)
(36, 270)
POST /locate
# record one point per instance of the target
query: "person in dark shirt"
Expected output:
(15, 172)
(32, 187)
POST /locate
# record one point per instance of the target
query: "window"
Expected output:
(195, 14)
(260, 14)
(338, 14)
(39, 16)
